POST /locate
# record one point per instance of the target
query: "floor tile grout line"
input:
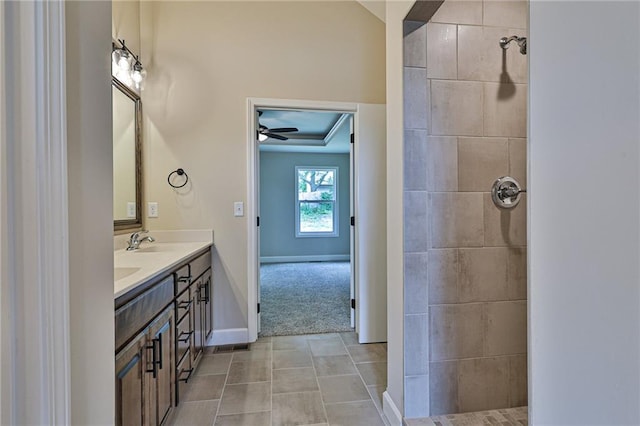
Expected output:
(224, 386)
(271, 398)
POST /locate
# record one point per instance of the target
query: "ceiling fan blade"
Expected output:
(274, 136)
(284, 129)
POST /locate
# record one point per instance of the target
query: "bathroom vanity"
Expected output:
(163, 318)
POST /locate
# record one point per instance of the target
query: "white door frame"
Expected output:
(252, 185)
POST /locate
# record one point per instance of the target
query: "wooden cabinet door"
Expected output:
(196, 291)
(131, 383)
(161, 340)
(207, 323)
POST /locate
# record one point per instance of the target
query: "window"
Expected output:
(316, 202)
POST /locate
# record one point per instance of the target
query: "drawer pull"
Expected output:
(186, 279)
(185, 305)
(184, 336)
(186, 380)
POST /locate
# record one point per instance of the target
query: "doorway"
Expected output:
(304, 192)
(366, 207)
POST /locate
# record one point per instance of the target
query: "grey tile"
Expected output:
(517, 380)
(457, 220)
(483, 383)
(518, 160)
(373, 373)
(291, 359)
(505, 110)
(457, 108)
(261, 355)
(511, 13)
(416, 229)
(249, 371)
(322, 336)
(442, 42)
(264, 339)
(415, 160)
(443, 387)
(456, 331)
(370, 352)
(416, 341)
(480, 162)
(442, 163)
(327, 347)
(415, 46)
(416, 400)
(204, 388)
(505, 227)
(415, 98)
(459, 12)
(443, 276)
(342, 389)
(246, 398)
(333, 365)
(361, 413)
(262, 418)
(376, 391)
(214, 364)
(303, 408)
(482, 274)
(195, 413)
(289, 343)
(294, 380)
(505, 328)
(416, 289)
(349, 338)
(517, 273)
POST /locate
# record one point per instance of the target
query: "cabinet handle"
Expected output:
(186, 279)
(185, 305)
(208, 290)
(186, 380)
(154, 358)
(160, 351)
(186, 338)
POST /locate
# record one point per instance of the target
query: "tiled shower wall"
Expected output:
(465, 260)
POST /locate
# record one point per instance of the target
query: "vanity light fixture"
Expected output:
(126, 66)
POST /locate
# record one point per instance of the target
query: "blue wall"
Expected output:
(277, 205)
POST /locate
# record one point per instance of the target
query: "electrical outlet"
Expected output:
(238, 208)
(131, 209)
(152, 209)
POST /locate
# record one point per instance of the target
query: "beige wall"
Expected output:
(465, 272)
(204, 60)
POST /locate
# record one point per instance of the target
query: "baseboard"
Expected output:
(229, 336)
(390, 410)
(311, 258)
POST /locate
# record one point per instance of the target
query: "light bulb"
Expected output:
(262, 137)
(124, 62)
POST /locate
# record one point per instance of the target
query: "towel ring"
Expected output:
(178, 172)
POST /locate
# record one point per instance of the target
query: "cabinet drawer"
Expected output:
(135, 315)
(200, 264)
(184, 372)
(183, 279)
(184, 304)
(184, 335)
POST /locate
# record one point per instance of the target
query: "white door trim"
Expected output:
(34, 254)
(252, 184)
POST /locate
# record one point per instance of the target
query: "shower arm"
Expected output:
(521, 41)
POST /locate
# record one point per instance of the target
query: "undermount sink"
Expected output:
(120, 273)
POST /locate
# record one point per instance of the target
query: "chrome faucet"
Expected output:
(135, 240)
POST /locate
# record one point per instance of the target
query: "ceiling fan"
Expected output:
(264, 132)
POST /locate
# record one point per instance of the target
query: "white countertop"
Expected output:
(132, 268)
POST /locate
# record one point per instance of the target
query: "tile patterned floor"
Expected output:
(320, 379)
(505, 417)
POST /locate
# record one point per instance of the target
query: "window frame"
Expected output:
(335, 232)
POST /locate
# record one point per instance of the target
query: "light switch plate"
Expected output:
(152, 209)
(238, 208)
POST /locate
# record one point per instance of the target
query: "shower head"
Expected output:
(521, 41)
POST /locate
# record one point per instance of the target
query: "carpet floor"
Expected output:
(304, 298)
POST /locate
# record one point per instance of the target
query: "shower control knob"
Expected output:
(506, 192)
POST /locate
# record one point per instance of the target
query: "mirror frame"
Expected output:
(126, 224)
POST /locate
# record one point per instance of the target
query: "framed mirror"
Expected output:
(127, 157)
